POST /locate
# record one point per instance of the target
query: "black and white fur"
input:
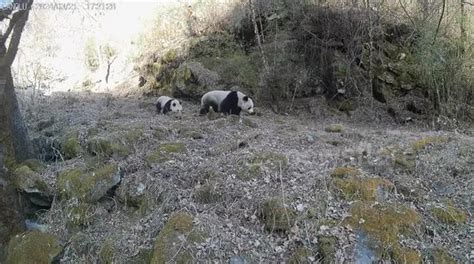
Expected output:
(166, 104)
(228, 102)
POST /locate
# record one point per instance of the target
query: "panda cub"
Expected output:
(228, 102)
(166, 104)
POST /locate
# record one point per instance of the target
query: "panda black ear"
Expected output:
(246, 98)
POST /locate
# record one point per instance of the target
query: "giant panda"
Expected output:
(228, 102)
(166, 104)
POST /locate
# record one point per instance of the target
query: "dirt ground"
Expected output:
(229, 167)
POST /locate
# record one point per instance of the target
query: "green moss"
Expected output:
(249, 172)
(300, 256)
(249, 122)
(405, 255)
(70, 147)
(344, 172)
(104, 148)
(422, 143)
(93, 131)
(28, 180)
(362, 188)
(165, 152)
(253, 166)
(170, 56)
(143, 257)
(160, 133)
(186, 132)
(327, 248)
(99, 147)
(134, 136)
(272, 160)
(440, 256)
(384, 223)
(87, 186)
(32, 247)
(448, 214)
(206, 194)
(34, 165)
(276, 216)
(107, 252)
(334, 128)
(405, 161)
(175, 242)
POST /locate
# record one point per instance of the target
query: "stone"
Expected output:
(33, 247)
(88, 186)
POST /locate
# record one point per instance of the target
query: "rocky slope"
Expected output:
(130, 186)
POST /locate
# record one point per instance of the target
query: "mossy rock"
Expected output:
(327, 248)
(422, 143)
(34, 165)
(33, 247)
(384, 223)
(107, 252)
(301, 256)
(104, 148)
(345, 172)
(88, 186)
(276, 216)
(29, 181)
(176, 241)
(441, 256)
(206, 194)
(334, 128)
(405, 255)
(192, 80)
(448, 214)
(362, 188)
(235, 69)
(164, 152)
(70, 147)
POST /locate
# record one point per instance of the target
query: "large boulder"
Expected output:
(30, 183)
(33, 247)
(176, 241)
(88, 186)
(192, 80)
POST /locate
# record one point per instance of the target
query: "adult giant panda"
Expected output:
(228, 102)
(166, 104)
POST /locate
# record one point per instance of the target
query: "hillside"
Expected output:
(268, 188)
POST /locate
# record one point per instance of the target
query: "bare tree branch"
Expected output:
(11, 25)
(16, 32)
(439, 22)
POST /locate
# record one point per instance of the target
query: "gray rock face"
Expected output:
(193, 80)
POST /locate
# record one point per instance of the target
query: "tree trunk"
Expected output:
(14, 143)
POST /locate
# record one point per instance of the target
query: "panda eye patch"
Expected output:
(249, 108)
(174, 104)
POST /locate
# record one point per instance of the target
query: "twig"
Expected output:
(406, 13)
(439, 22)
